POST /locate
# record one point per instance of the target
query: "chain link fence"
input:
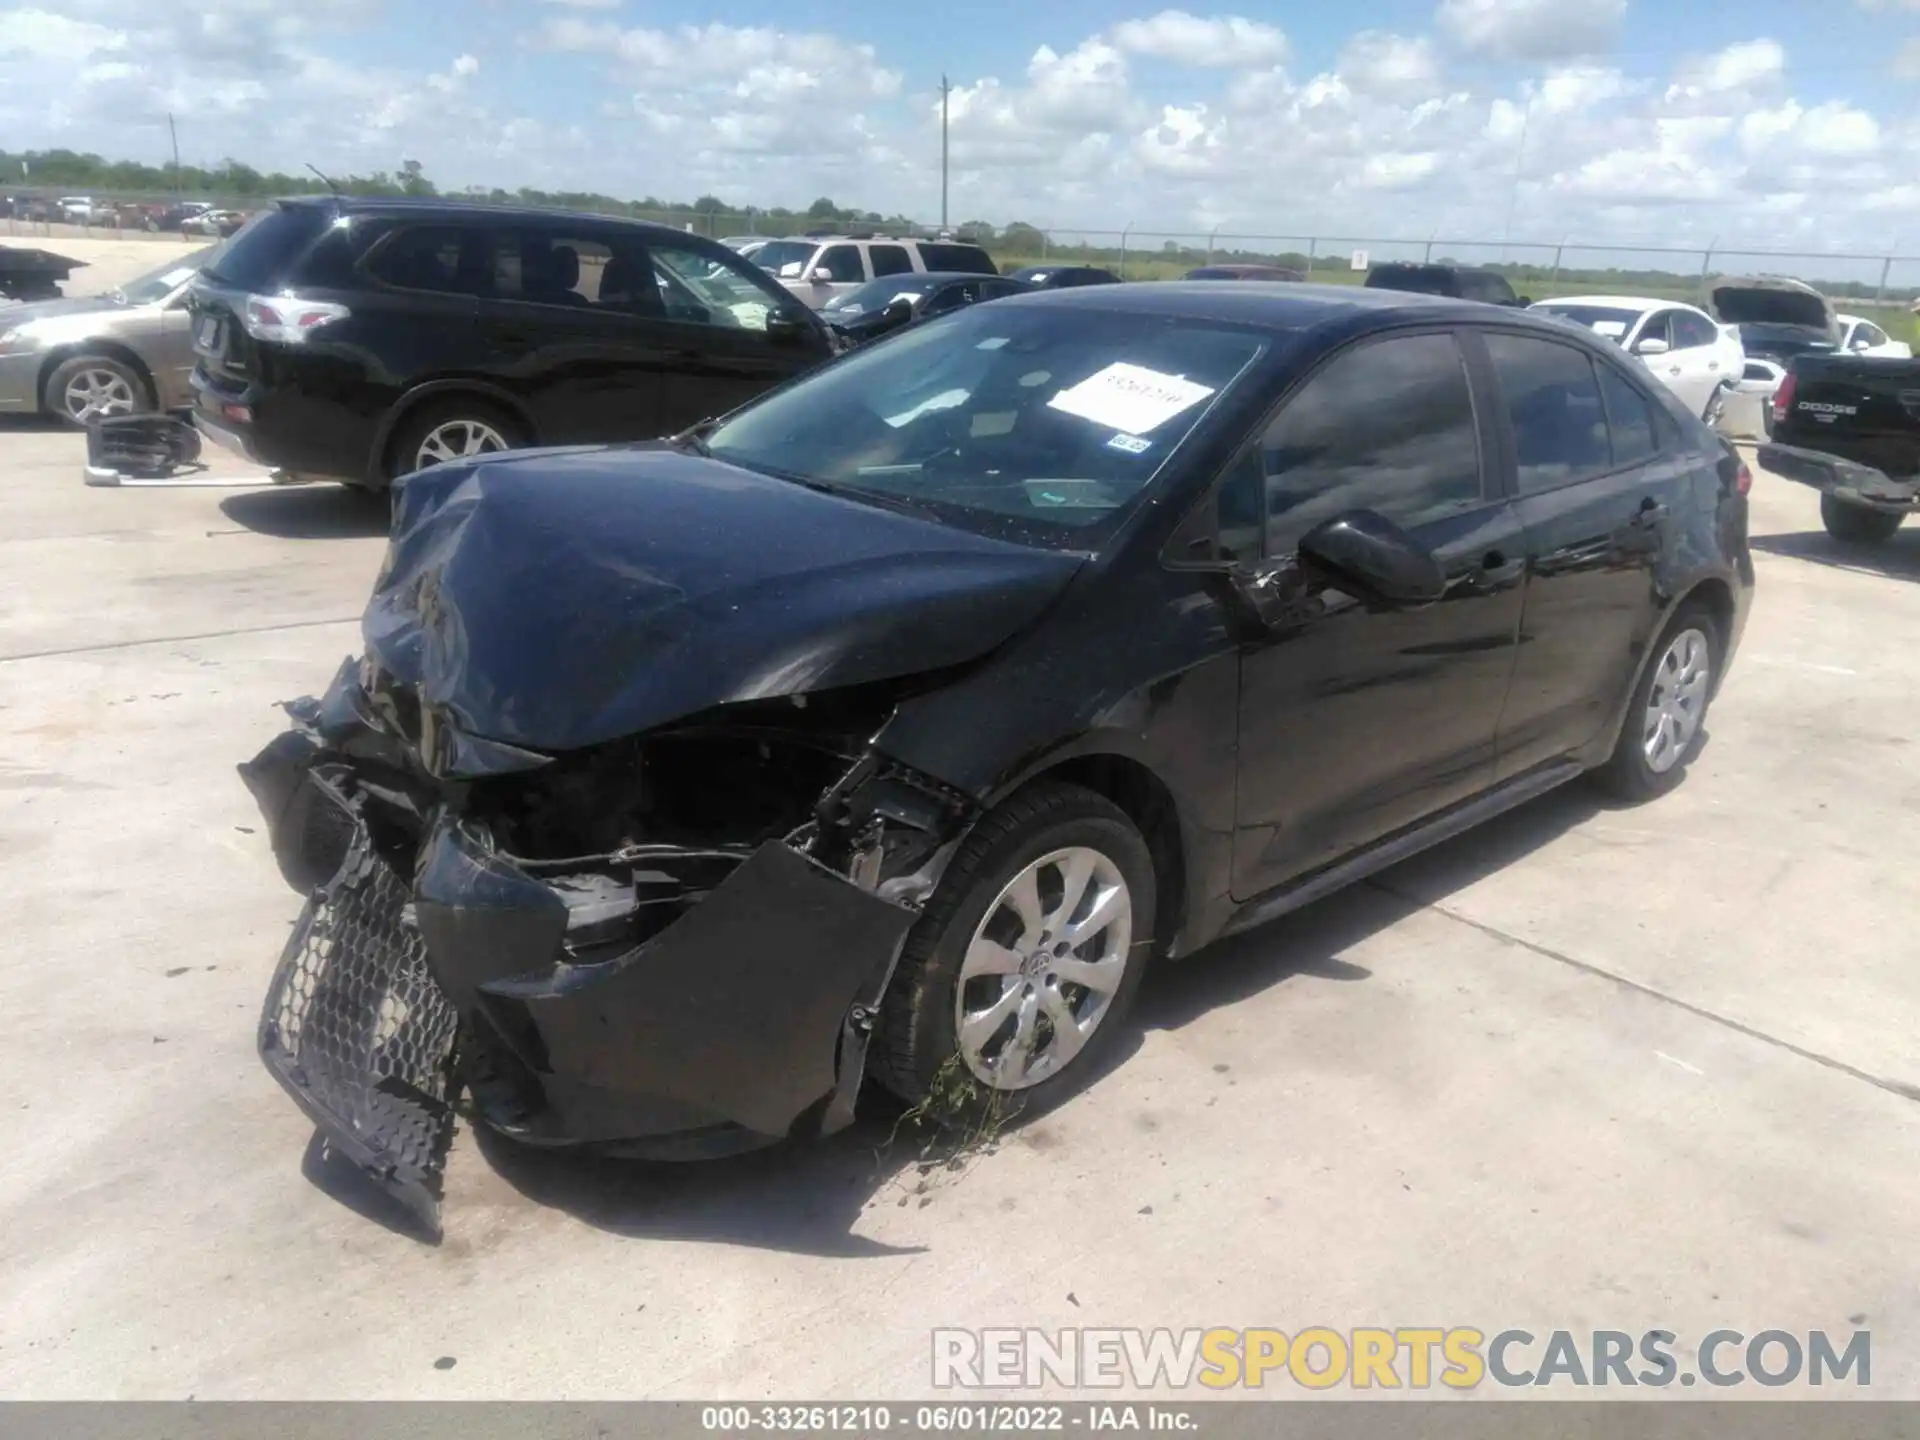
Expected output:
(1883, 288)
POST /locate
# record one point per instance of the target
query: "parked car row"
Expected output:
(188, 217)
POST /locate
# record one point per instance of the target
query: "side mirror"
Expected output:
(899, 310)
(783, 325)
(1650, 347)
(1364, 551)
(820, 275)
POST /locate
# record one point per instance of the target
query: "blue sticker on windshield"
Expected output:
(1129, 444)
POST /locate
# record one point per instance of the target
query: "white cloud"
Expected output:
(466, 65)
(585, 4)
(1221, 41)
(44, 35)
(1377, 63)
(1532, 29)
(1742, 66)
(1831, 130)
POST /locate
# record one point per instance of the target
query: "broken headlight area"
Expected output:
(674, 943)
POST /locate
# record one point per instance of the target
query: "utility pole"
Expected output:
(945, 91)
(174, 136)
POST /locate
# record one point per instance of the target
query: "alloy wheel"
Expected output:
(457, 440)
(1043, 967)
(1678, 700)
(95, 394)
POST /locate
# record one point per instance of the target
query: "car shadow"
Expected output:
(34, 424)
(1898, 558)
(1309, 944)
(310, 512)
(807, 1198)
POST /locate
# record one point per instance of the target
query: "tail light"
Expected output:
(1742, 479)
(287, 318)
(1783, 399)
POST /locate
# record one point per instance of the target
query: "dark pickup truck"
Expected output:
(1850, 427)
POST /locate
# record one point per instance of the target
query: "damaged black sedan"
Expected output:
(888, 727)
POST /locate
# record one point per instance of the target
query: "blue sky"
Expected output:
(1766, 124)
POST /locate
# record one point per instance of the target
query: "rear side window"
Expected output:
(266, 254)
(968, 259)
(1629, 418)
(1690, 330)
(1553, 404)
(547, 267)
(889, 260)
(1388, 427)
(437, 258)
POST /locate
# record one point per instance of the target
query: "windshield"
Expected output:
(876, 295)
(776, 255)
(156, 285)
(1608, 320)
(1034, 423)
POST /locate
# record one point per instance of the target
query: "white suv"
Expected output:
(817, 268)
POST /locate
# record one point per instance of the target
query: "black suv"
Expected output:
(1454, 282)
(362, 339)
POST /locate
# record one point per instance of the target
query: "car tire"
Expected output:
(1678, 684)
(918, 1053)
(456, 425)
(117, 388)
(1855, 524)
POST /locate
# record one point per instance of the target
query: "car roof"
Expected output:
(1272, 304)
(1620, 302)
(423, 206)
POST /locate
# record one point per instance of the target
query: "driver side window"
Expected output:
(1387, 426)
(705, 289)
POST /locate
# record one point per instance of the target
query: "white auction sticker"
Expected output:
(1612, 329)
(1130, 398)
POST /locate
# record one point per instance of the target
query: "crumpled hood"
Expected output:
(557, 599)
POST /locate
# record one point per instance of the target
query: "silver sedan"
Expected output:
(123, 353)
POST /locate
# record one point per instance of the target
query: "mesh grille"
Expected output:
(358, 1031)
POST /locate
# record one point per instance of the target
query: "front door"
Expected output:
(1600, 480)
(1366, 718)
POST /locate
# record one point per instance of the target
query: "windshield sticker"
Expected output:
(1612, 329)
(1130, 398)
(945, 400)
(1129, 444)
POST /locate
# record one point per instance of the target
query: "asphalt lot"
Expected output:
(1585, 1068)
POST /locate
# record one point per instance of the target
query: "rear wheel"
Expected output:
(1020, 972)
(1666, 722)
(86, 388)
(456, 429)
(1855, 524)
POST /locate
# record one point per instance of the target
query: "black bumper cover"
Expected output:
(1844, 479)
(743, 1021)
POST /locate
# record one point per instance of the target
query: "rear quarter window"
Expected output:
(270, 251)
(967, 259)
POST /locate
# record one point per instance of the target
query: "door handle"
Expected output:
(1494, 572)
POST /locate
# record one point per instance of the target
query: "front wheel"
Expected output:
(1020, 973)
(1855, 524)
(1666, 721)
(95, 387)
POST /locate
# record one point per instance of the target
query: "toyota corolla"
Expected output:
(893, 725)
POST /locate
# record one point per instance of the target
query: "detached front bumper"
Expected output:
(693, 1003)
(1845, 480)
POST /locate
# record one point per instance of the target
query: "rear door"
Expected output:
(1600, 479)
(1701, 356)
